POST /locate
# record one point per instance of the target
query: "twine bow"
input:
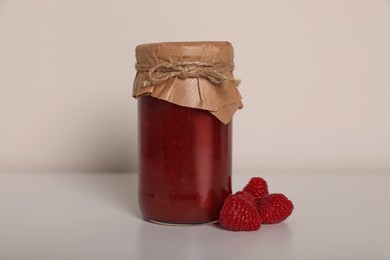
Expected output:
(217, 73)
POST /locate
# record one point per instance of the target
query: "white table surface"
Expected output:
(95, 216)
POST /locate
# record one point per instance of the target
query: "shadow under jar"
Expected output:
(185, 150)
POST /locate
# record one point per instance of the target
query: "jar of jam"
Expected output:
(187, 96)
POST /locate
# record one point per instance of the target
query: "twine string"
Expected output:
(217, 73)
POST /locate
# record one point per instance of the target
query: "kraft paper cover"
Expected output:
(221, 100)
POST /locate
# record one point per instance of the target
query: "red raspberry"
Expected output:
(247, 196)
(238, 214)
(274, 208)
(257, 187)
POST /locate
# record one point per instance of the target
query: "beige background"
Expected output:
(316, 81)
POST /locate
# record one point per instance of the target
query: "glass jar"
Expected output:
(185, 152)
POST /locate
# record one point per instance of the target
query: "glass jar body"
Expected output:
(185, 157)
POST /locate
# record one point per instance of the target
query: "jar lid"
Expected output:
(191, 74)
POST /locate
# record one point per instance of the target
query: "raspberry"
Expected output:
(274, 208)
(247, 196)
(238, 214)
(257, 187)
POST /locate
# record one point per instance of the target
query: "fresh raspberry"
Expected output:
(247, 196)
(238, 214)
(274, 208)
(257, 187)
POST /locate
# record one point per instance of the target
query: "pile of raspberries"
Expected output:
(246, 210)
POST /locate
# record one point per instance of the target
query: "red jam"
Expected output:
(185, 163)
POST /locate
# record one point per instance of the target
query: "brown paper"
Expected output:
(221, 100)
